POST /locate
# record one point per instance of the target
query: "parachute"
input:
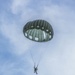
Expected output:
(38, 30)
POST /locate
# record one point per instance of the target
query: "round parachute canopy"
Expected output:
(38, 30)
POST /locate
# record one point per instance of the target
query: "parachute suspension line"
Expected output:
(41, 56)
(32, 57)
(38, 31)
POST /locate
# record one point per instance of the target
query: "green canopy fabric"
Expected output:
(38, 30)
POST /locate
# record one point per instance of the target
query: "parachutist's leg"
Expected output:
(36, 72)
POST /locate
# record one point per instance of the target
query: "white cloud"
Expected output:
(59, 59)
(16, 38)
(11, 69)
(22, 9)
(60, 56)
(60, 16)
(19, 5)
(13, 32)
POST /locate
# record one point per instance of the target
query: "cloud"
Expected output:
(16, 38)
(12, 30)
(59, 57)
(59, 16)
(12, 68)
(19, 5)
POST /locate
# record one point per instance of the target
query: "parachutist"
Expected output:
(38, 31)
(35, 69)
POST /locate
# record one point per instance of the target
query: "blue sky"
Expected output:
(59, 53)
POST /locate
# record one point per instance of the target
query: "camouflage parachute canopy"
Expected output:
(38, 30)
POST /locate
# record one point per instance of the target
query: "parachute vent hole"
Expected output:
(30, 37)
(42, 27)
(50, 36)
(32, 26)
(36, 38)
(37, 26)
(47, 30)
(50, 32)
(25, 34)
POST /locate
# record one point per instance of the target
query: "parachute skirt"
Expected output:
(38, 30)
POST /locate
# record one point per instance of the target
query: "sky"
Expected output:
(58, 55)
